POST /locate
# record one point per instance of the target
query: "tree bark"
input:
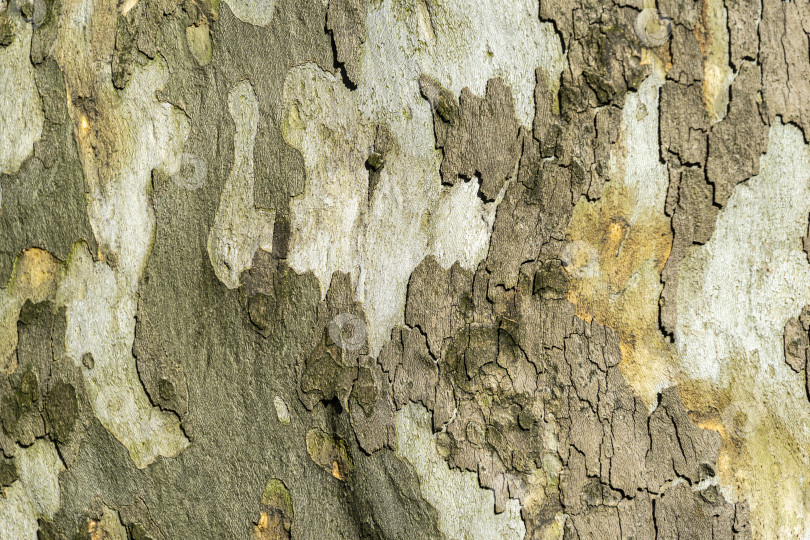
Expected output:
(376, 269)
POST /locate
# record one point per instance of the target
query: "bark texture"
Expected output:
(384, 269)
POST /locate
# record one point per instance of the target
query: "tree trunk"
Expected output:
(320, 269)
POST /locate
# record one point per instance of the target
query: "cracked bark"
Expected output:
(522, 391)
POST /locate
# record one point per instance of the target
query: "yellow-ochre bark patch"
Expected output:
(615, 263)
(35, 275)
(712, 35)
(760, 457)
(735, 294)
(34, 278)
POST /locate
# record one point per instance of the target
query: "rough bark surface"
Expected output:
(285, 269)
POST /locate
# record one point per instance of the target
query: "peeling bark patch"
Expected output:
(465, 510)
(256, 12)
(617, 247)
(784, 52)
(614, 279)
(736, 143)
(35, 277)
(22, 118)
(346, 20)
(35, 494)
(329, 452)
(276, 514)
(409, 215)
(162, 377)
(797, 340)
(378, 237)
(121, 139)
(448, 200)
(239, 228)
(531, 397)
(731, 332)
(61, 409)
(480, 138)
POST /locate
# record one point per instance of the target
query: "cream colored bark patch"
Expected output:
(21, 114)
(465, 510)
(712, 33)
(101, 320)
(282, 411)
(101, 301)
(735, 295)
(336, 225)
(458, 43)
(255, 12)
(34, 495)
(378, 238)
(127, 135)
(739, 290)
(239, 228)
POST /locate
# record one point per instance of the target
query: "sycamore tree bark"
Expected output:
(397, 269)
